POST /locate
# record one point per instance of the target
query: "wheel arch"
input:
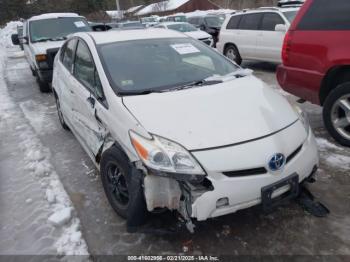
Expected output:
(228, 44)
(335, 76)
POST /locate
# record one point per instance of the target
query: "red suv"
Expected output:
(316, 62)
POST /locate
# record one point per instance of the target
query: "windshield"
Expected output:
(56, 28)
(290, 15)
(138, 66)
(214, 21)
(182, 27)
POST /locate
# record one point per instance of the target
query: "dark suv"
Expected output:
(316, 62)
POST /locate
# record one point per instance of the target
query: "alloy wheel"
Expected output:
(117, 184)
(340, 116)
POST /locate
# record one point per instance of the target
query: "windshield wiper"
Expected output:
(50, 39)
(139, 93)
(203, 82)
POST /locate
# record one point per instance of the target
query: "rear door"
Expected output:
(88, 100)
(247, 35)
(269, 41)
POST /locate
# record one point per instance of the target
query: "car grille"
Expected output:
(246, 172)
(259, 170)
(294, 154)
(206, 41)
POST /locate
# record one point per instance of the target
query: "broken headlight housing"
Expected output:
(163, 155)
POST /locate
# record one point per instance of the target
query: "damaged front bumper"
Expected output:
(217, 194)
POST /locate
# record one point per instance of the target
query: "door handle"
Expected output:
(72, 92)
(91, 101)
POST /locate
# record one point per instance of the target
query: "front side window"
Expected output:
(250, 22)
(68, 54)
(84, 67)
(270, 20)
(138, 66)
(182, 27)
(56, 29)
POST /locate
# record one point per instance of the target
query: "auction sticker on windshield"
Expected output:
(184, 49)
(79, 24)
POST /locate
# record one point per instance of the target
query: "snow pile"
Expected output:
(61, 213)
(210, 12)
(7, 31)
(168, 5)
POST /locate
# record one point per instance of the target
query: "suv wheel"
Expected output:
(232, 53)
(44, 87)
(60, 114)
(116, 176)
(336, 114)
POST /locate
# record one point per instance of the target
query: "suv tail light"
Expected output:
(287, 44)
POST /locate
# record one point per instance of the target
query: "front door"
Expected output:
(269, 41)
(86, 122)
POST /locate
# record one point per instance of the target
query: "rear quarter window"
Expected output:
(234, 22)
(326, 15)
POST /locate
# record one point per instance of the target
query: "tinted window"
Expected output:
(160, 64)
(250, 22)
(69, 54)
(270, 20)
(234, 21)
(327, 15)
(194, 20)
(213, 21)
(84, 68)
(56, 28)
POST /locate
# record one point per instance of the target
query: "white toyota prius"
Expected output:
(172, 124)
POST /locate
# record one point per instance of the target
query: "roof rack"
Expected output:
(290, 3)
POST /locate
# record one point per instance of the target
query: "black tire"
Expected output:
(44, 87)
(60, 114)
(233, 54)
(116, 175)
(332, 112)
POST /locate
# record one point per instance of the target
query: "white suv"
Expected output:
(170, 123)
(256, 34)
(43, 35)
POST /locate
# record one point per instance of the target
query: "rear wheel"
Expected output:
(44, 87)
(232, 53)
(336, 114)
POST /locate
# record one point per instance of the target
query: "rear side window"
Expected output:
(234, 22)
(327, 15)
(84, 67)
(270, 20)
(69, 54)
(250, 22)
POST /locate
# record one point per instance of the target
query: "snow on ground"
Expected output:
(50, 209)
(7, 31)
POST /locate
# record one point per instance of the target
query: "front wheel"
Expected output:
(232, 53)
(336, 114)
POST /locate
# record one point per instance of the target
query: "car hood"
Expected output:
(41, 47)
(198, 34)
(213, 116)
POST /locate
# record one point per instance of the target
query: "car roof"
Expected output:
(129, 35)
(53, 15)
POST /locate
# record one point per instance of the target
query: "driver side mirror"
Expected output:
(281, 28)
(15, 39)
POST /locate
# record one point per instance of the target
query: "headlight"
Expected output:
(163, 155)
(303, 117)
